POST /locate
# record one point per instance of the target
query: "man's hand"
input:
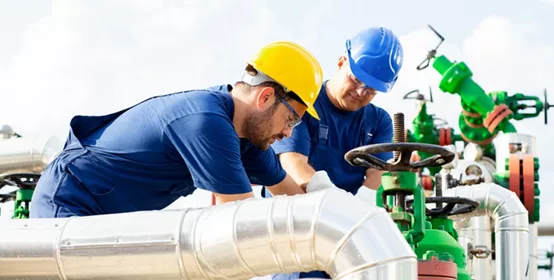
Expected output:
(319, 181)
(373, 178)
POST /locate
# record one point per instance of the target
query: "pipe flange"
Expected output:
(435, 269)
(445, 136)
(522, 179)
(494, 118)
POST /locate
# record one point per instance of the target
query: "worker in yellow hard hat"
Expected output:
(217, 139)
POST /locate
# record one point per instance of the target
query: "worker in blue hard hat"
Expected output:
(369, 66)
(218, 139)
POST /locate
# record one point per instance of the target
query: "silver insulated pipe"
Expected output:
(477, 232)
(510, 226)
(328, 230)
(30, 154)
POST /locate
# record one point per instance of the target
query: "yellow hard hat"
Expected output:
(294, 68)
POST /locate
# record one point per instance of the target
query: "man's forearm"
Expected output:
(298, 168)
(287, 187)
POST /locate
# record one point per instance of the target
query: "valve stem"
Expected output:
(399, 132)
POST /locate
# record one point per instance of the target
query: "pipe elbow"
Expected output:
(362, 241)
(499, 203)
(511, 225)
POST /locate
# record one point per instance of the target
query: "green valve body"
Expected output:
(441, 237)
(397, 184)
(425, 236)
(476, 104)
(22, 201)
(424, 132)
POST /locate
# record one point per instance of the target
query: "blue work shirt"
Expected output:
(147, 156)
(326, 141)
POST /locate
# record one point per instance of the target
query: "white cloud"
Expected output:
(96, 58)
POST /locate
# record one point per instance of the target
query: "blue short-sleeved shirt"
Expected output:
(147, 156)
(326, 141)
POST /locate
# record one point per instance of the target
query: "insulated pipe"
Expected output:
(477, 231)
(511, 226)
(533, 252)
(31, 154)
(328, 230)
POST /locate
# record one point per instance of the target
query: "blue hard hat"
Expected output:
(375, 56)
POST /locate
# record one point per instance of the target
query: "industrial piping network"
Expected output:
(484, 223)
(494, 154)
(431, 232)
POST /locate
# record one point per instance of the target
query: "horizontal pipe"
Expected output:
(328, 230)
(545, 226)
(31, 154)
(511, 225)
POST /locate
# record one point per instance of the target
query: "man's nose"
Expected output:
(361, 91)
(287, 131)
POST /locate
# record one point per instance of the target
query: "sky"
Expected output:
(63, 58)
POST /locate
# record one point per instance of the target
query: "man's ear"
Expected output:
(265, 98)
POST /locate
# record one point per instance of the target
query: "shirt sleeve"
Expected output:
(262, 167)
(383, 133)
(210, 148)
(298, 142)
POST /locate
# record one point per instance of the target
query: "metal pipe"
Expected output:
(546, 224)
(474, 232)
(465, 237)
(507, 144)
(31, 154)
(533, 253)
(477, 232)
(510, 226)
(328, 230)
(481, 227)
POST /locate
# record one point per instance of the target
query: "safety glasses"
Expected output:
(359, 85)
(293, 120)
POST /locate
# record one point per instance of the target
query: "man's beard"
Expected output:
(257, 126)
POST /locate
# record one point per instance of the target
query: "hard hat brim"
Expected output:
(311, 110)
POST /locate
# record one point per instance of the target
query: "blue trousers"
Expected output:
(59, 194)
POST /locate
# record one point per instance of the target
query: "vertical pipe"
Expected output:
(481, 228)
(533, 254)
